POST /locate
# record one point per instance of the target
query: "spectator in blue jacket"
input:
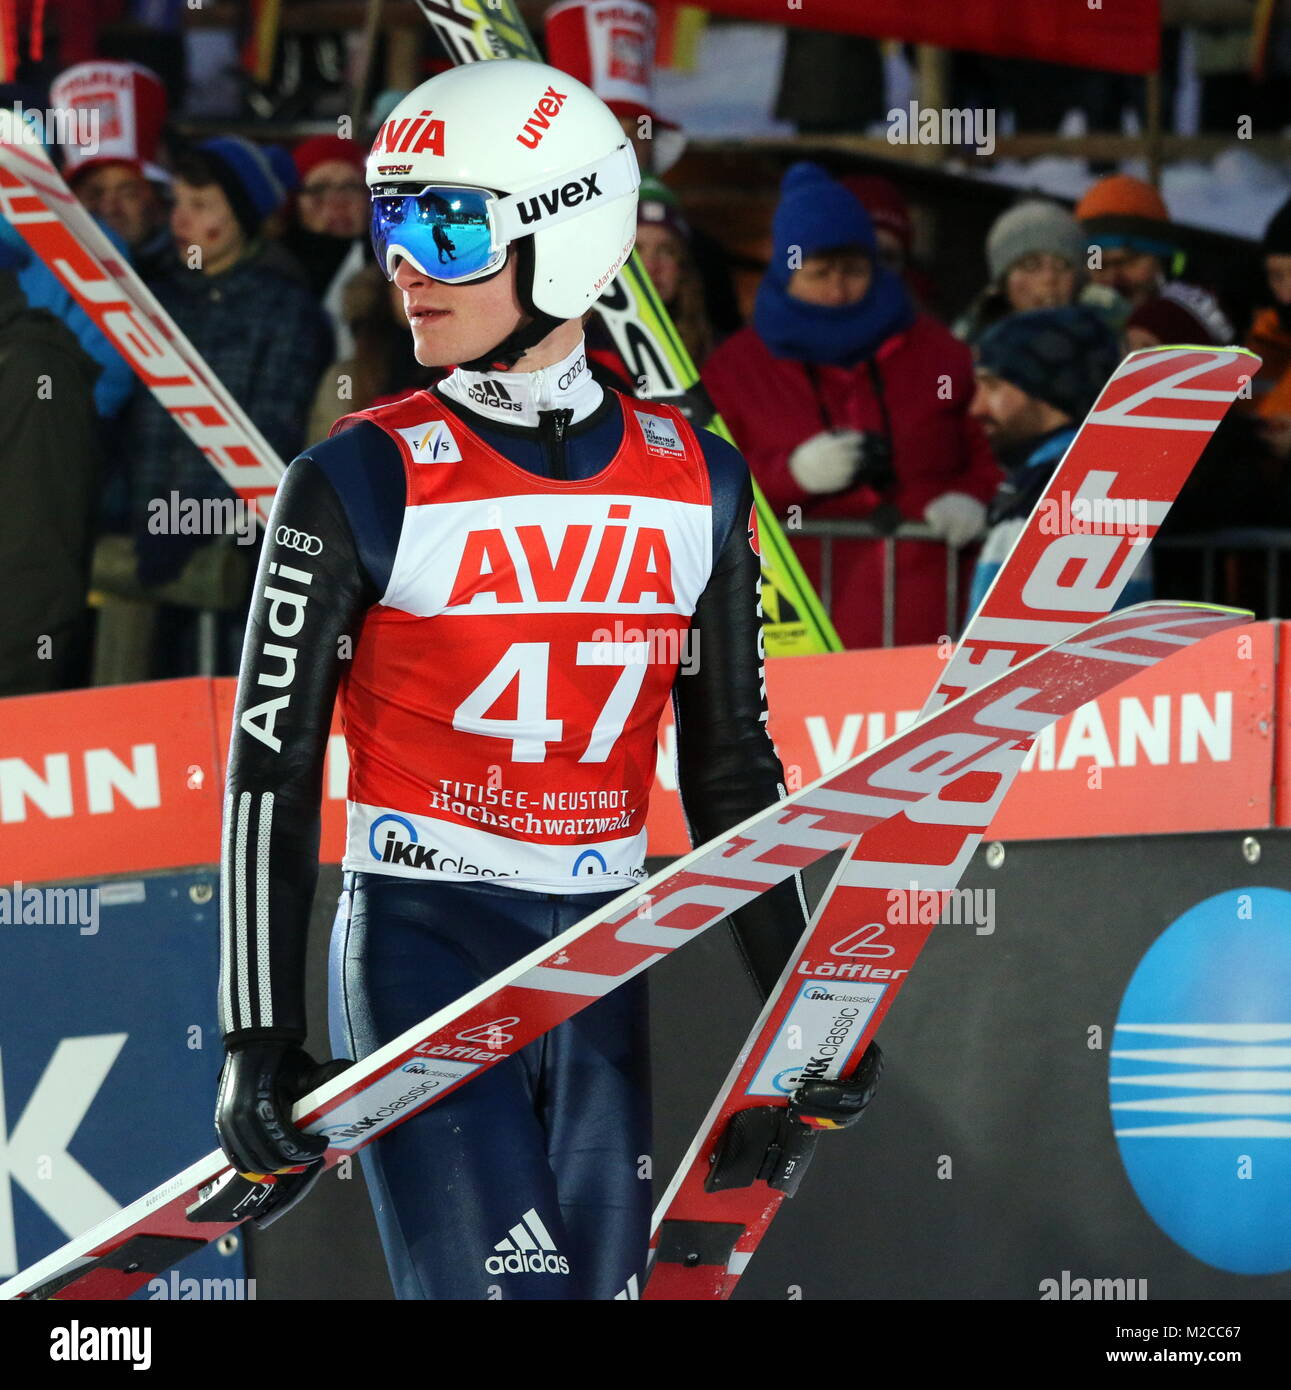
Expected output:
(42, 289)
(261, 332)
(1038, 376)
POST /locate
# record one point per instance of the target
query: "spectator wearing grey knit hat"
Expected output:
(1036, 255)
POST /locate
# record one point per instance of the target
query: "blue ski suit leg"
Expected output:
(529, 1182)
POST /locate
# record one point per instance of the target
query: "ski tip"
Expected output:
(1212, 610)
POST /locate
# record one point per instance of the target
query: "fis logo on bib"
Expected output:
(527, 1248)
(431, 442)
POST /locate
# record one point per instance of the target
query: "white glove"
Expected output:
(956, 517)
(827, 462)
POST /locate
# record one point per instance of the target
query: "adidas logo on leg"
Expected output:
(527, 1248)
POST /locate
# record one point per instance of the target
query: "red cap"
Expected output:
(120, 111)
(1183, 313)
(322, 149)
(885, 204)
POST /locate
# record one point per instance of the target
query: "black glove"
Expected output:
(775, 1145)
(875, 469)
(258, 1086)
(822, 1104)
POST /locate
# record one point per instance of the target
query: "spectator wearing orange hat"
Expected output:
(1128, 224)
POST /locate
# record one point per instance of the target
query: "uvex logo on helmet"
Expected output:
(568, 195)
(412, 135)
(549, 105)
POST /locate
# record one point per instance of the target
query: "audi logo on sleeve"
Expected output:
(298, 540)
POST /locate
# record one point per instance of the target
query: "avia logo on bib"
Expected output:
(412, 135)
(540, 122)
(568, 195)
(527, 1248)
(493, 558)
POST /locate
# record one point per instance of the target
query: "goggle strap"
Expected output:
(551, 203)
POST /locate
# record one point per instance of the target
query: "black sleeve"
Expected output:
(727, 766)
(312, 590)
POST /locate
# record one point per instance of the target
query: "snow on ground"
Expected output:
(733, 89)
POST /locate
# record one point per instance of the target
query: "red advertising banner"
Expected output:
(1120, 37)
(1282, 738)
(118, 780)
(1187, 746)
(127, 779)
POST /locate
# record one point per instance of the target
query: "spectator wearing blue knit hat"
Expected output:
(848, 402)
(261, 331)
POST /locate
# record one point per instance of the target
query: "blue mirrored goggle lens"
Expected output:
(447, 231)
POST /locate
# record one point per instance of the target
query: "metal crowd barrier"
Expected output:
(853, 530)
(1209, 546)
(1242, 540)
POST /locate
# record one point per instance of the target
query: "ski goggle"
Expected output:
(457, 234)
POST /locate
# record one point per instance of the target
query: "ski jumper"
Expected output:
(505, 578)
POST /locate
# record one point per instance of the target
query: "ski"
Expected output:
(646, 339)
(716, 1209)
(58, 229)
(939, 772)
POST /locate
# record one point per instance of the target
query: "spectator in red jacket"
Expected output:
(849, 403)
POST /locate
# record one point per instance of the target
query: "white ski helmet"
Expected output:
(518, 150)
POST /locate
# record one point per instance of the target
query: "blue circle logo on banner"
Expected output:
(1201, 1080)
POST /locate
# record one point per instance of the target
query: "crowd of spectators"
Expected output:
(849, 398)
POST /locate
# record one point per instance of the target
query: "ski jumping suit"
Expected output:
(506, 577)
